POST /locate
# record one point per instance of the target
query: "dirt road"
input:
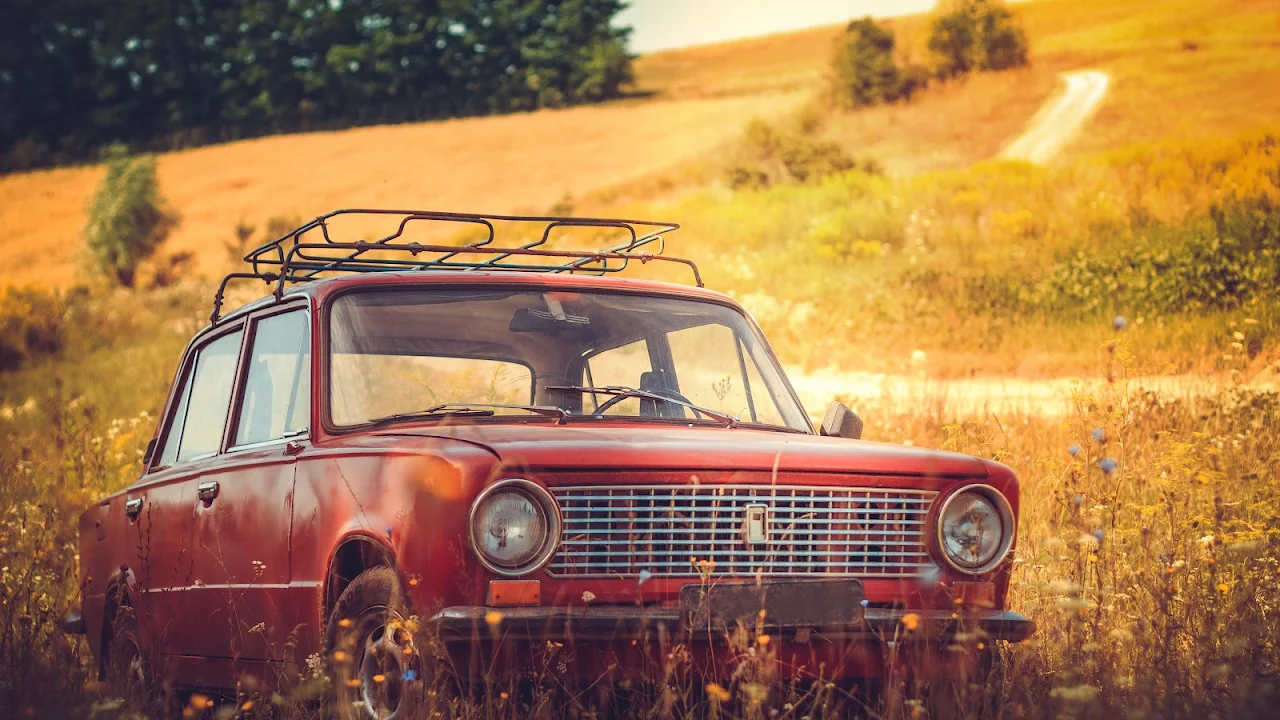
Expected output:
(1060, 118)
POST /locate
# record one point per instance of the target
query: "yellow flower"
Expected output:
(379, 678)
(762, 640)
(493, 617)
(911, 621)
(717, 692)
(344, 623)
(1223, 588)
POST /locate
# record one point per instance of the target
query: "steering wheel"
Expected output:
(664, 392)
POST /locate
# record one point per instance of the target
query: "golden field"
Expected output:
(698, 100)
(1107, 325)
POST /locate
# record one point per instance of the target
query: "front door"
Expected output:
(242, 521)
(166, 504)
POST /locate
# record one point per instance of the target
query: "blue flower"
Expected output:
(1119, 322)
(1073, 450)
(1079, 500)
(1098, 434)
(1108, 465)
(865, 603)
(1098, 535)
(410, 675)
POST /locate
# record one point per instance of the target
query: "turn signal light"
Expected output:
(509, 593)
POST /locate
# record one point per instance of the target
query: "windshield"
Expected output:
(403, 351)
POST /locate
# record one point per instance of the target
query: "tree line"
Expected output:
(76, 75)
(964, 36)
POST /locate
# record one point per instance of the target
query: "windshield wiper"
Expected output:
(473, 410)
(622, 391)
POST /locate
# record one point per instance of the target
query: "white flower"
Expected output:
(1206, 540)
(588, 596)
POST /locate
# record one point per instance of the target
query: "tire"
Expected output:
(374, 665)
(125, 670)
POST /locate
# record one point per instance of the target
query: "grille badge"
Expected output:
(755, 524)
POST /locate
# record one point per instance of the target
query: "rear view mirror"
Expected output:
(150, 452)
(840, 421)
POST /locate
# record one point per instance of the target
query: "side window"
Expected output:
(626, 365)
(201, 415)
(277, 391)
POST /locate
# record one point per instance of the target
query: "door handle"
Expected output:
(207, 491)
(133, 508)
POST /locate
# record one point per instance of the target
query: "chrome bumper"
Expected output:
(606, 623)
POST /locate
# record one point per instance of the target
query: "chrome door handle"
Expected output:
(207, 491)
(133, 508)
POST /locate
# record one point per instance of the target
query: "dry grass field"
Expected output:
(697, 100)
(495, 164)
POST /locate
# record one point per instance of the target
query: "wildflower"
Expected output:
(410, 675)
(1073, 450)
(1098, 535)
(344, 623)
(864, 602)
(717, 692)
(588, 596)
(339, 656)
(492, 618)
(1118, 322)
(1108, 465)
(503, 695)
(379, 678)
(247, 706)
(1223, 588)
(911, 621)
(1207, 540)
(1099, 435)
(762, 640)
(644, 576)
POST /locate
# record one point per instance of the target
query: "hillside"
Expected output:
(1181, 69)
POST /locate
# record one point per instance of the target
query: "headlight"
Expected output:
(515, 526)
(975, 529)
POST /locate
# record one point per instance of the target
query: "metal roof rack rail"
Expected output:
(299, 256)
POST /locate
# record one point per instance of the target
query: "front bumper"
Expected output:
(607, 624)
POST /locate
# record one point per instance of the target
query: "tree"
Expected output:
(128, 219)
(864, 66)
(976, 35)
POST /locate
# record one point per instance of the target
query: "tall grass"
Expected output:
(1149, 543)
(859, 270)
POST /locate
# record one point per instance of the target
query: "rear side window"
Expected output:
(201, 416)
(277, 390)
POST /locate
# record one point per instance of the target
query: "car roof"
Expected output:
(318, 290)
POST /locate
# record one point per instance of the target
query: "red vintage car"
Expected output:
(415, 459)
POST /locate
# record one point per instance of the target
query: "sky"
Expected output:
(662, 24)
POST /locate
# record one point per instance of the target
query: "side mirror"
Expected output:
(840, 421)
(150, 452)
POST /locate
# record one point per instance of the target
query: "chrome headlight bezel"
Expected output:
(540, 499)
(1008, 528)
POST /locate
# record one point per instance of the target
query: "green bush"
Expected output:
(767, 156)
(864, 66)
(976, 35)
(128, 218)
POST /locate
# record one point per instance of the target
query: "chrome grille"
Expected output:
(686, 530)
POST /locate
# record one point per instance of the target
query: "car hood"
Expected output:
(607, 446)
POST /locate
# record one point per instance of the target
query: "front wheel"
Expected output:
(369, 644)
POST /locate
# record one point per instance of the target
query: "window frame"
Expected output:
(242, 378)
(197, 345)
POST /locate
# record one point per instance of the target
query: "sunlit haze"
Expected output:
(662, 24)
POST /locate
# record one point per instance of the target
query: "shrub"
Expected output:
(128, 219)
(864, 67)
(767, 156)
(30, 325)
(976, 35)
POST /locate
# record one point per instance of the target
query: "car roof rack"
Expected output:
(311, 251)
